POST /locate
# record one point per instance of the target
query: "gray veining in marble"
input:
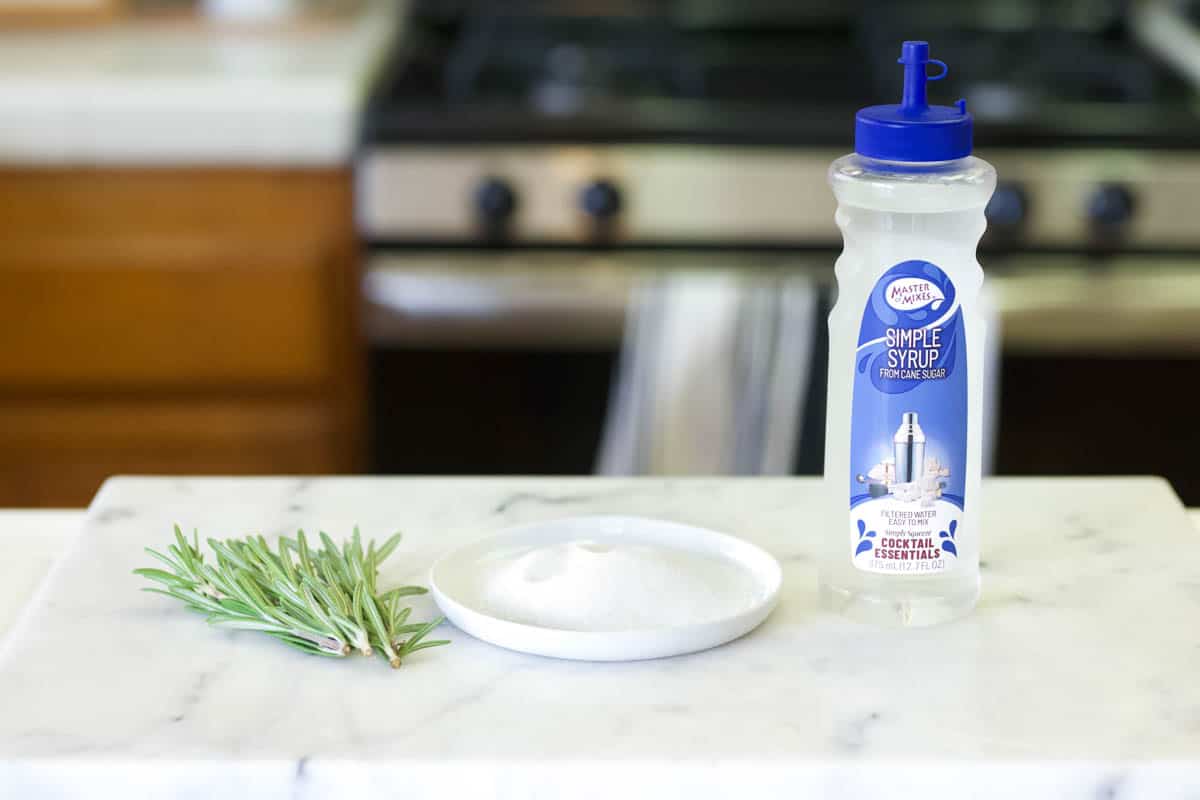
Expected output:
(1076, 677)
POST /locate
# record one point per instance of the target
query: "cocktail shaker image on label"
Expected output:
(909, 443)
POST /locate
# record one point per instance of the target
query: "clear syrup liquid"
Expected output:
(887, 218)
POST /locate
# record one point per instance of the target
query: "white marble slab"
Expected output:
(30, 542)
(138, 94)
(1076, 677)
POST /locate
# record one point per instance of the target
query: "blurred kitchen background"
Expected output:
(279, 236)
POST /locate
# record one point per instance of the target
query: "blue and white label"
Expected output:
(908, 431)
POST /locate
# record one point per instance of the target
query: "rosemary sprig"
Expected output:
(321, 601)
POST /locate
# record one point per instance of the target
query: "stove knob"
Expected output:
(601, 200)
(495, 200)
(1008, 207)
(1110, 205)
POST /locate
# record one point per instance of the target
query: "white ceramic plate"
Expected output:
(455, 579)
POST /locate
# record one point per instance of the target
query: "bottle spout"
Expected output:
(913, 131)
(915, 56)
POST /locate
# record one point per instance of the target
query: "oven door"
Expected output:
(504, 362)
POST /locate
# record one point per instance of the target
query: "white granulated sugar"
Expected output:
(588, 585)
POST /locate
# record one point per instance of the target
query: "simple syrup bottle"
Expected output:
(903, 432)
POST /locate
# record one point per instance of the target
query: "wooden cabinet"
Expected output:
(175, 321)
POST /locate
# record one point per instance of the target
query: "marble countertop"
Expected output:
(1074, 678)
(31, 541)
(145, 94)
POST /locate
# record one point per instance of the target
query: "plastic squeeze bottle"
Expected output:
(906, 344)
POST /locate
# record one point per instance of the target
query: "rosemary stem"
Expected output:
(324, 602)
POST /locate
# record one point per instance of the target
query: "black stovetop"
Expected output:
(637, 72)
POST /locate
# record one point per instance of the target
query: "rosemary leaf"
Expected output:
(170, 562)
(285, 561)
(370, 568)
(302, 550)
(226, 554)
(386, 548)
(412, 644)
(187, 554)
(399, 617)
(168, 578)
(405, 591)
(356, 554)
(333, 556)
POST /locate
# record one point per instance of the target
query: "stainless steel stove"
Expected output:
(523, 163)
(528, 126)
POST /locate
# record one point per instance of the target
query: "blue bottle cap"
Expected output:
(914, 130)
